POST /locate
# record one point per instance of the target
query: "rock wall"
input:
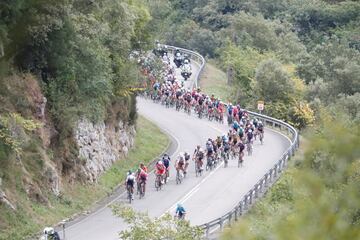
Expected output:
(100, 145)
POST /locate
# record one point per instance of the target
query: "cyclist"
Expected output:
(186, 158)
(180, 212)
(226, 146)
(141, 179)
(166, 162)
(180, 163)
(241, 132)
(130, 183)
(235, 125)
(260, 129)
(209, 147)
(241, 151)
(198, 156)
(160, 170)
(143, 167)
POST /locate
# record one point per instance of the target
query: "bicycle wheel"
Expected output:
(129, 196)
(240, 161)
(178, 180)
(158, 183)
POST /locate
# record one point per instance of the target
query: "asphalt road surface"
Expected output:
(204, 198)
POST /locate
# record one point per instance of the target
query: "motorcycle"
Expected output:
(178, 62)
(186, 75)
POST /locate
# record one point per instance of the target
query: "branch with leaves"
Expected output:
(141, 226)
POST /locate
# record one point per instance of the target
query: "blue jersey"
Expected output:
(166, 162)
(180, 210)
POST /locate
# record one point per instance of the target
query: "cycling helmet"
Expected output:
(250, 131)
(49, 231)
(260, 122)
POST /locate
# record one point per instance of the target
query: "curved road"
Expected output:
(205, 198)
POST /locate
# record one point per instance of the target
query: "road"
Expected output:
(205, 198)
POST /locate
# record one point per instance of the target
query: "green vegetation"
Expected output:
(144, 227)
(213, 81)
(150, 142)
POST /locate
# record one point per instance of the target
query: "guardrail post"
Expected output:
(266, 180)
(251, 197)
(240, 208)
(207, 231)
(230, 216)
(236, 213)
(256, 191)
(221, 222)
(245, 202)
(270, 177)
(261, 190)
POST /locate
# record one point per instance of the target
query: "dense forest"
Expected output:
(302, 57)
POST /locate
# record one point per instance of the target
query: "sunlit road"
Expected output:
(205, 198)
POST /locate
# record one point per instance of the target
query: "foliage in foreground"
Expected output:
(317, 199)
(141, 226)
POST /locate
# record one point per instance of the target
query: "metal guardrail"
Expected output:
(260, 188)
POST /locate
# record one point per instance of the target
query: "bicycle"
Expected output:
(249, 148)
(158, 182)
(167, 174)
(179, 176)
(141, 189)
(226, 157)
(241, 159)
(198, 168)
(130, 194)
(261, 137)
(210, 163)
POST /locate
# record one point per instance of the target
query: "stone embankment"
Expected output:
(100, 145)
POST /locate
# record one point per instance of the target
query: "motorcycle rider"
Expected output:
(186, 69)
(50, 234)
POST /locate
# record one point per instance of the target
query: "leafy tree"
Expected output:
(141, 226)
(273, 82)
(338, 67)
(243, 62)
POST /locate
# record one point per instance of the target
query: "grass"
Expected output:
(31, 217)
(214, 81)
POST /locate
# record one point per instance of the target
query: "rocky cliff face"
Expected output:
(100, 145)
